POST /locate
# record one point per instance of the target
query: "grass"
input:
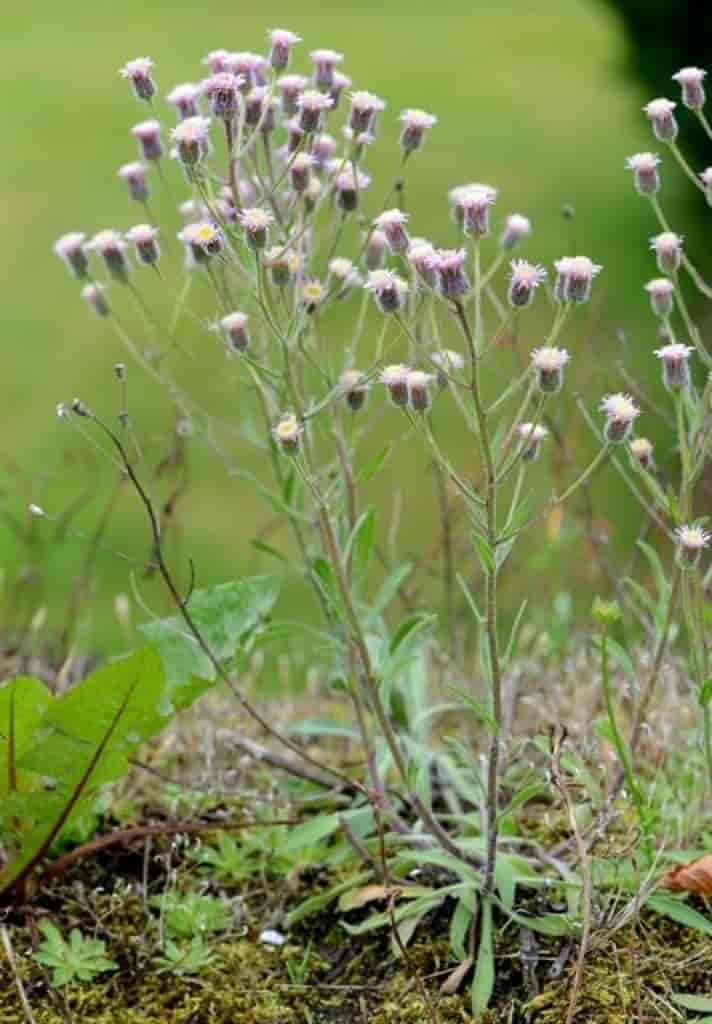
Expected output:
(530, 97)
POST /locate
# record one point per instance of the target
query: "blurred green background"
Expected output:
(533, 97)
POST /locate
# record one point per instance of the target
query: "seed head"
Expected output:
(95, 297)
(415, 124)
(148, 136)
(234, 328)
(674, 359)
(691, 541)
(549, 363)
(395, 378)
(70, 249)
(325, 62)
(312, 106)
(138, 72)
(668, 251)
(516, 228)
(112, 249)
(471, 206)
(706, 179)
(574, 276)
(691, 82)
(661, 291)
(364, 109)
(287, 434)
(642, 451)
(645, 172)
(388, 290)
(134, 174)
(531, 435)
(452, 281)
(660, 114)
(281, 43)
(290, 88)
(392, 223)
(418, 382)
(143, 238)
(184, 98)
(255, 222)
(355, 388)
(620, 411)
(523, 282)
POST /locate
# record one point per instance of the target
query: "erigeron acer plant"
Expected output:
(282, 229)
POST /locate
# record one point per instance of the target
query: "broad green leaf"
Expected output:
(460, 924)
(678, 911)
(23, 701)
(417, 908)
(483, 981)
(225, 615)
(699, 1004)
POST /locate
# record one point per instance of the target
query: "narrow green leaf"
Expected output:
(678, 911)
(360, 544)
(699, 1004)
(267, 549)
(484, 552)
(372, 467)
(309, 834)
(483, 981)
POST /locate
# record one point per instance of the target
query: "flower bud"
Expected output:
(134, 174)
(143, 238)
(300, 172)
(95, 297)
(184, 98)
(70, 249)
(668, 251)
(450, 268)
(138, 73)
(415, 124)
(471, 206)
(281, 43)
(395, 378)
(662, 119)
(112, 249)
(691, 81)
(417, 382)
(674, 359)
(575, 275)
(255, 105)
(447, 363)
(192, 143)
(388, 289)
(323, 149)
(645, 172)
(531, 435)
(706, 179)
(312, 107)
(375, 250)
(234, 328)
(549, 363)
(423, 256)
(364, 109)
(345, 273)
(355, 388)
(620, 412)
(348, 186)
(325, 62)
(338, 87)
(642, 451)
(255, 222)
(287, 434)
(661, 291)
(691, 541)
(290, 89)
(221, 90)
(312, 194)
(277, 260)
(523, 282)
(148, 136)
(516, 228)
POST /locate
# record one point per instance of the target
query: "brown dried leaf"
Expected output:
(361, 897)
(453, 981)
(693, 877)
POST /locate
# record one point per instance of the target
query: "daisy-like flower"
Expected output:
(660, 113)
(418, 382)
(355, 387)
(202, 240)
(364, 109)
(516, 228)
(642, 451)
(256, 222)
(645, 172)
(112, 248)
(71, 250)
(706, 179)
(661, 291)
(424, 257)
(134, 174)
(143, 238)
(668, 251)
(574, 276)
(192, 142)
(312, 294)
(620, 411)
(148, 136)
(691, 541)
(234, 329)
(395, 378)
(375, 252)
(674, 359)
(223, 96)
(523, 282)
(281, 43)
(184, 99)
(290, 89)
(312, 106)
(691, 82)
(287, 434)
(325, 62)
(392, 223)
(348, 186)
(415, 124)
(447, 362)
(549, 363)
(388, 290)
(531, 435)
(471, 207)
(95, 297)
(450, 269)
(138, 73)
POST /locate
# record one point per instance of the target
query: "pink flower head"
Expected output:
(388, 289)
(184, 98)
(364, 108)
(148, 136)
(691, 82)
(516, 228)
(660, 114)
(668, 251)
(706, 179)
(313, 106)
(645, 172)
(256, 105)
(256, 223)
(574, 276)
(143, 238)
(134, 174)
(691, 542)
(339, 84)
(376, 245)
(620, 411)
(395, 378)
(548, 363)
(138, 72)
(523, 282)
(300, 171)
(450, 268)
(112, 248)
(250, 69)
(415, 124)
(325, 62)
(281, 43)
(393, 225)
(674, 359)
(348, 186)
(290, 88)
(424, 257)
(531, 435)
(217, 61)
(71, 250)
(295, 134)
(661, 291)
(471, 206)
(234, 328)
(221, 90)
(418, 382)
(323, 149)
(192, 143)
(95, 296)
